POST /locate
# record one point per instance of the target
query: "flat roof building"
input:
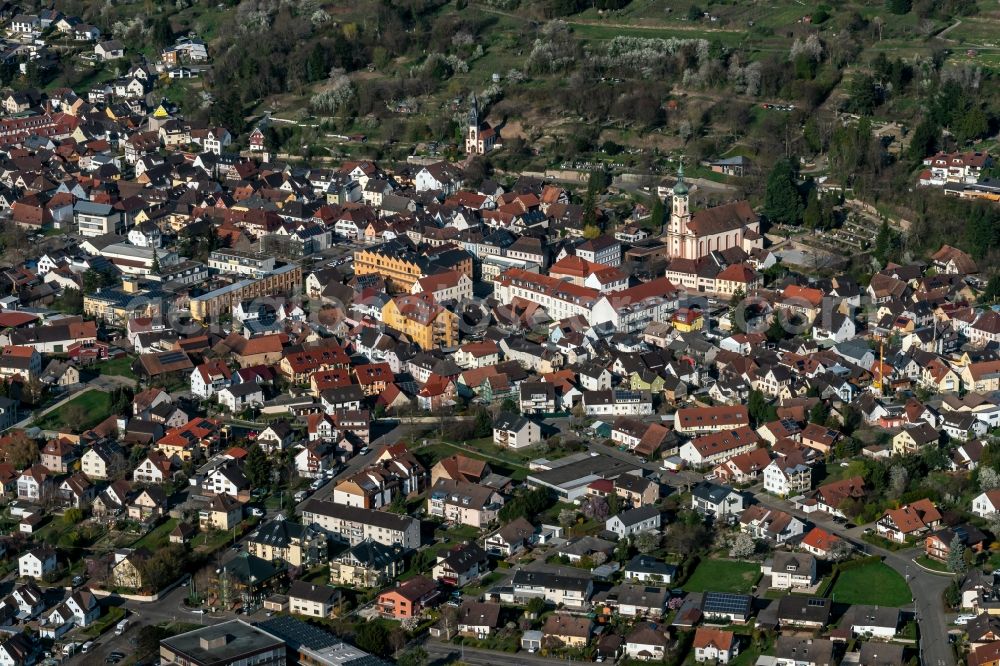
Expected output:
(227, 644)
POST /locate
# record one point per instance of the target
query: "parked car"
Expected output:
(256, 511)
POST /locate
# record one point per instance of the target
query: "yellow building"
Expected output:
(422, 320)
(402, 267)
(687, 320)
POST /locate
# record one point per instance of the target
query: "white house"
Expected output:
(238, 397)
(784, 478)
(513, 431)
(715, 645)
(627, 523)
(647, 642)
(788, 570)
(986, 503)
(209, 378)
(36, 563)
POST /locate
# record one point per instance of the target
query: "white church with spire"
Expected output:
(717, 229)
(480, 138)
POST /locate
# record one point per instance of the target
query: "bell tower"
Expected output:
(680, 212)
(472, 139)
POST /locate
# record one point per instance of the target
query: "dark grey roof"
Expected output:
(238, 639)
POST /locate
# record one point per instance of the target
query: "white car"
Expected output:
(256, 511)
(198, 611)
(964, 619)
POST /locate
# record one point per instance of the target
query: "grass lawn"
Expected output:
(875, 584)
(96, 406)
(121, 367)
(933, 565)
(158, 537)
(114, 615)
(723, 576)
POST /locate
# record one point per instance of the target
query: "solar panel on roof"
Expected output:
(722, 602)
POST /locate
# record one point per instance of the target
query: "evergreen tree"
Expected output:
(782, 201)
(992, 291)
(956, 556)
(484, 424)
(899, 7)
(161, 33)
(812, 217)
(155, 268)
(924, 140)
(818, 413)
(657, 216)
(883, 243)
(258, 466)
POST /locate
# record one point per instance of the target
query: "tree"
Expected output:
(956, 556)
(863, 97)
(373, 637)
(75, 417)
(535, 606)
(647, 542)
(782, 201)
(899, 479)
(760, 410)
(73, 516)
(812, 217)
(899, 7)
(924, 140)
(484, 424)
(840, 550)
(155, 268)
(818, 413)
(743, 546)
(992, 291)
(20, 451)
(657, 215)
(989, 478)
(567, 517)
(148, 640)
(883, 243)
(595, 508)
(413, 657)
(228, 111)
(161, 33)
(258, 466)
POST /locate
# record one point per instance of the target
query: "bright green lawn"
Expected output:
(874, 583)
(121, 366)
(96, 405)
(723, 576)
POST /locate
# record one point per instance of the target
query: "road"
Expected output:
(356, 463)
(925, 587)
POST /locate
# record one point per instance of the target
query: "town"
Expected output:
(256, 409)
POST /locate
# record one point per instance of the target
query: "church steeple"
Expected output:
(680, 189)
(474, 112)
(680, 213)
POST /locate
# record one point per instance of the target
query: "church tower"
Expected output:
(680, 212)
(472, 140)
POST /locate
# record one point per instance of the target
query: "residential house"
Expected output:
(788, 570)
(408, 599)
(367, 564)
(312, 599)
(715, 645)
(908, 521)
(634, 521)
(464, 503)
